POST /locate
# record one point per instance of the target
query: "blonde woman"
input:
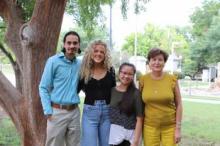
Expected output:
(163, 105)
(97, 77)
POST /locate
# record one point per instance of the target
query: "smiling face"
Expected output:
(98, 55)
(157, 63)
(126, 75)
(71, 46)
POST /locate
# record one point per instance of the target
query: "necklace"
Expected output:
(155, 80)
(155, 88)
(157, 77)
(155, 91)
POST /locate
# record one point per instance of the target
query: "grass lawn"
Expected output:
(8, 133)
(201, 121)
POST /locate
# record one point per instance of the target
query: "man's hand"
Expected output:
(49, 117)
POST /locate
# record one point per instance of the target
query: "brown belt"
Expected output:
(66, 107)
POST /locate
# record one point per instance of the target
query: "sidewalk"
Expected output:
(201, 95)
(204, 92)
(202, 100)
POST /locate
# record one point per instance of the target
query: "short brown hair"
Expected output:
(157, 51)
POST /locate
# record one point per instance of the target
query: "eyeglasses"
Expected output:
(74, 43)
(126, 73)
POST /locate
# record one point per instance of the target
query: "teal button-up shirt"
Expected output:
(59, 82)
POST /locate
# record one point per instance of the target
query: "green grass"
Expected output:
(201, 121)
(8, 133)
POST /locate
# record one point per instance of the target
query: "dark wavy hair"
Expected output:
(71, 33)
(126, 105)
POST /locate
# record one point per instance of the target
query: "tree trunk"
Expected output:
(32, 43)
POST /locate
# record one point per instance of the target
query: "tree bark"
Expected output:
(32, 42)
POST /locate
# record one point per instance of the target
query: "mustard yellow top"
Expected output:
(158, 96)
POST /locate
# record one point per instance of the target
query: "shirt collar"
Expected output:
(62, 55)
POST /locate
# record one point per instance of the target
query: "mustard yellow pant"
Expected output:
(159, 136)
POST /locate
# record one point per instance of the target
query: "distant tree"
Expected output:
(203, 49)
(213, 41)
(202, 16)
(154, 36)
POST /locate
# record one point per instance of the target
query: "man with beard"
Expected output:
(58, 92)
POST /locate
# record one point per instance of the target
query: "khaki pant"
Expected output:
(64, 128)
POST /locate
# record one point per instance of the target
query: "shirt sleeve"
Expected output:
(112, 71)
(173, 80)
(141, 82)
(80, 85)
(139, 104)
(45, 87)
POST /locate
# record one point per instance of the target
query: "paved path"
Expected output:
(202, 100)
(201, 92)
(203, 95)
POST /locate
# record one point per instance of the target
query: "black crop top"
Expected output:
(98, 89)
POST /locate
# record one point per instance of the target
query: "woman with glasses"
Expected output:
(126, 110)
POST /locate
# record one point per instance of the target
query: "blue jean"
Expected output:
(95, 124)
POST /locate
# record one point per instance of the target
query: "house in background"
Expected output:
(173, 63)
(139, 62)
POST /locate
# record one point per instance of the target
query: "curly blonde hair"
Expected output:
(87, 62)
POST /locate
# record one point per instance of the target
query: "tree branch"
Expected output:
(2, 7)
(17, 71)
(9, 97)
(8, 93)
(7, 54)
(12, 15)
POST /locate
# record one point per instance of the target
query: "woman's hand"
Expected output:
(134, 144)
(177, 135)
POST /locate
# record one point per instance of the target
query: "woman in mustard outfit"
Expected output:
(163, 105)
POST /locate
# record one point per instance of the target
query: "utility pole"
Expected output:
(110, 30)
(135, 37)
(135, 46)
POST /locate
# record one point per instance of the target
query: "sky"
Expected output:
(158, 12)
